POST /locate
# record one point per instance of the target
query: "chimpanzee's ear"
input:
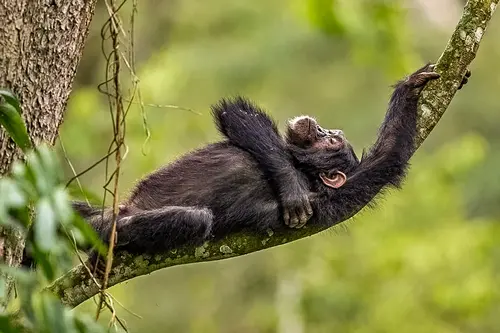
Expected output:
(335, 181)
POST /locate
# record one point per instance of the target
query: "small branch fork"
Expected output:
(77, 286)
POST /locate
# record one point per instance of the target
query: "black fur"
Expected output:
(185, 225)
(244, 181)
(250, 128)
(384, 165)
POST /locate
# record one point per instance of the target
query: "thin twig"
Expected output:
(81, 173)
(75, 176)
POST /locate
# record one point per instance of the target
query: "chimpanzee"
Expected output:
(256, 179)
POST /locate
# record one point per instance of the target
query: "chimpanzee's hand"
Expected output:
(420, 78)
(296, 207)
(425, 74)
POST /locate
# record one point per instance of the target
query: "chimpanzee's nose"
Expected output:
(321, 132)
(337, 133)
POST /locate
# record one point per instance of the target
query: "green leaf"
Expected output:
(7, 325)
(12, 121)
(6, 218)
(90, 235)
(11, 194)
(45, 225)
(61, 205)
(26, 283)
(11, 99)
(54, 316)
(11, 197)
(50, 163)
(19, 173)
(20, 217)
(20, 274)
(36, 173)
(2, 286)
(42, 260)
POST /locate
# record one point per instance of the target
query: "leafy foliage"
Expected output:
(35, 187)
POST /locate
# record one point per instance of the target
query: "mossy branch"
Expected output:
(77, 286)
(453, 63)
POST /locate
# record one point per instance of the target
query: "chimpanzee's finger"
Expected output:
(286, 216)
(302, 224)
(309, 210)
(463, 83)
(294, 219)
(420, 79)
(303, 218)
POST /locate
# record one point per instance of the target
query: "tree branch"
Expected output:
(76, 286)
(453, 63)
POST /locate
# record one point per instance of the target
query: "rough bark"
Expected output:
(76, 286)
(41, 43)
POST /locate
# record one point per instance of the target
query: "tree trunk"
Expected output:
(41, 43)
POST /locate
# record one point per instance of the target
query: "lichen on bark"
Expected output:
(453, 63)
(76, 286)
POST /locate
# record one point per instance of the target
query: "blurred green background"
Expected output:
(426, 260)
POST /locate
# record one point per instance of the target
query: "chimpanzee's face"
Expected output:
(324, 149)
(305, 132)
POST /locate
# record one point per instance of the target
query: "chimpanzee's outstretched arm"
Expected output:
(386, 162)
(248, 127)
